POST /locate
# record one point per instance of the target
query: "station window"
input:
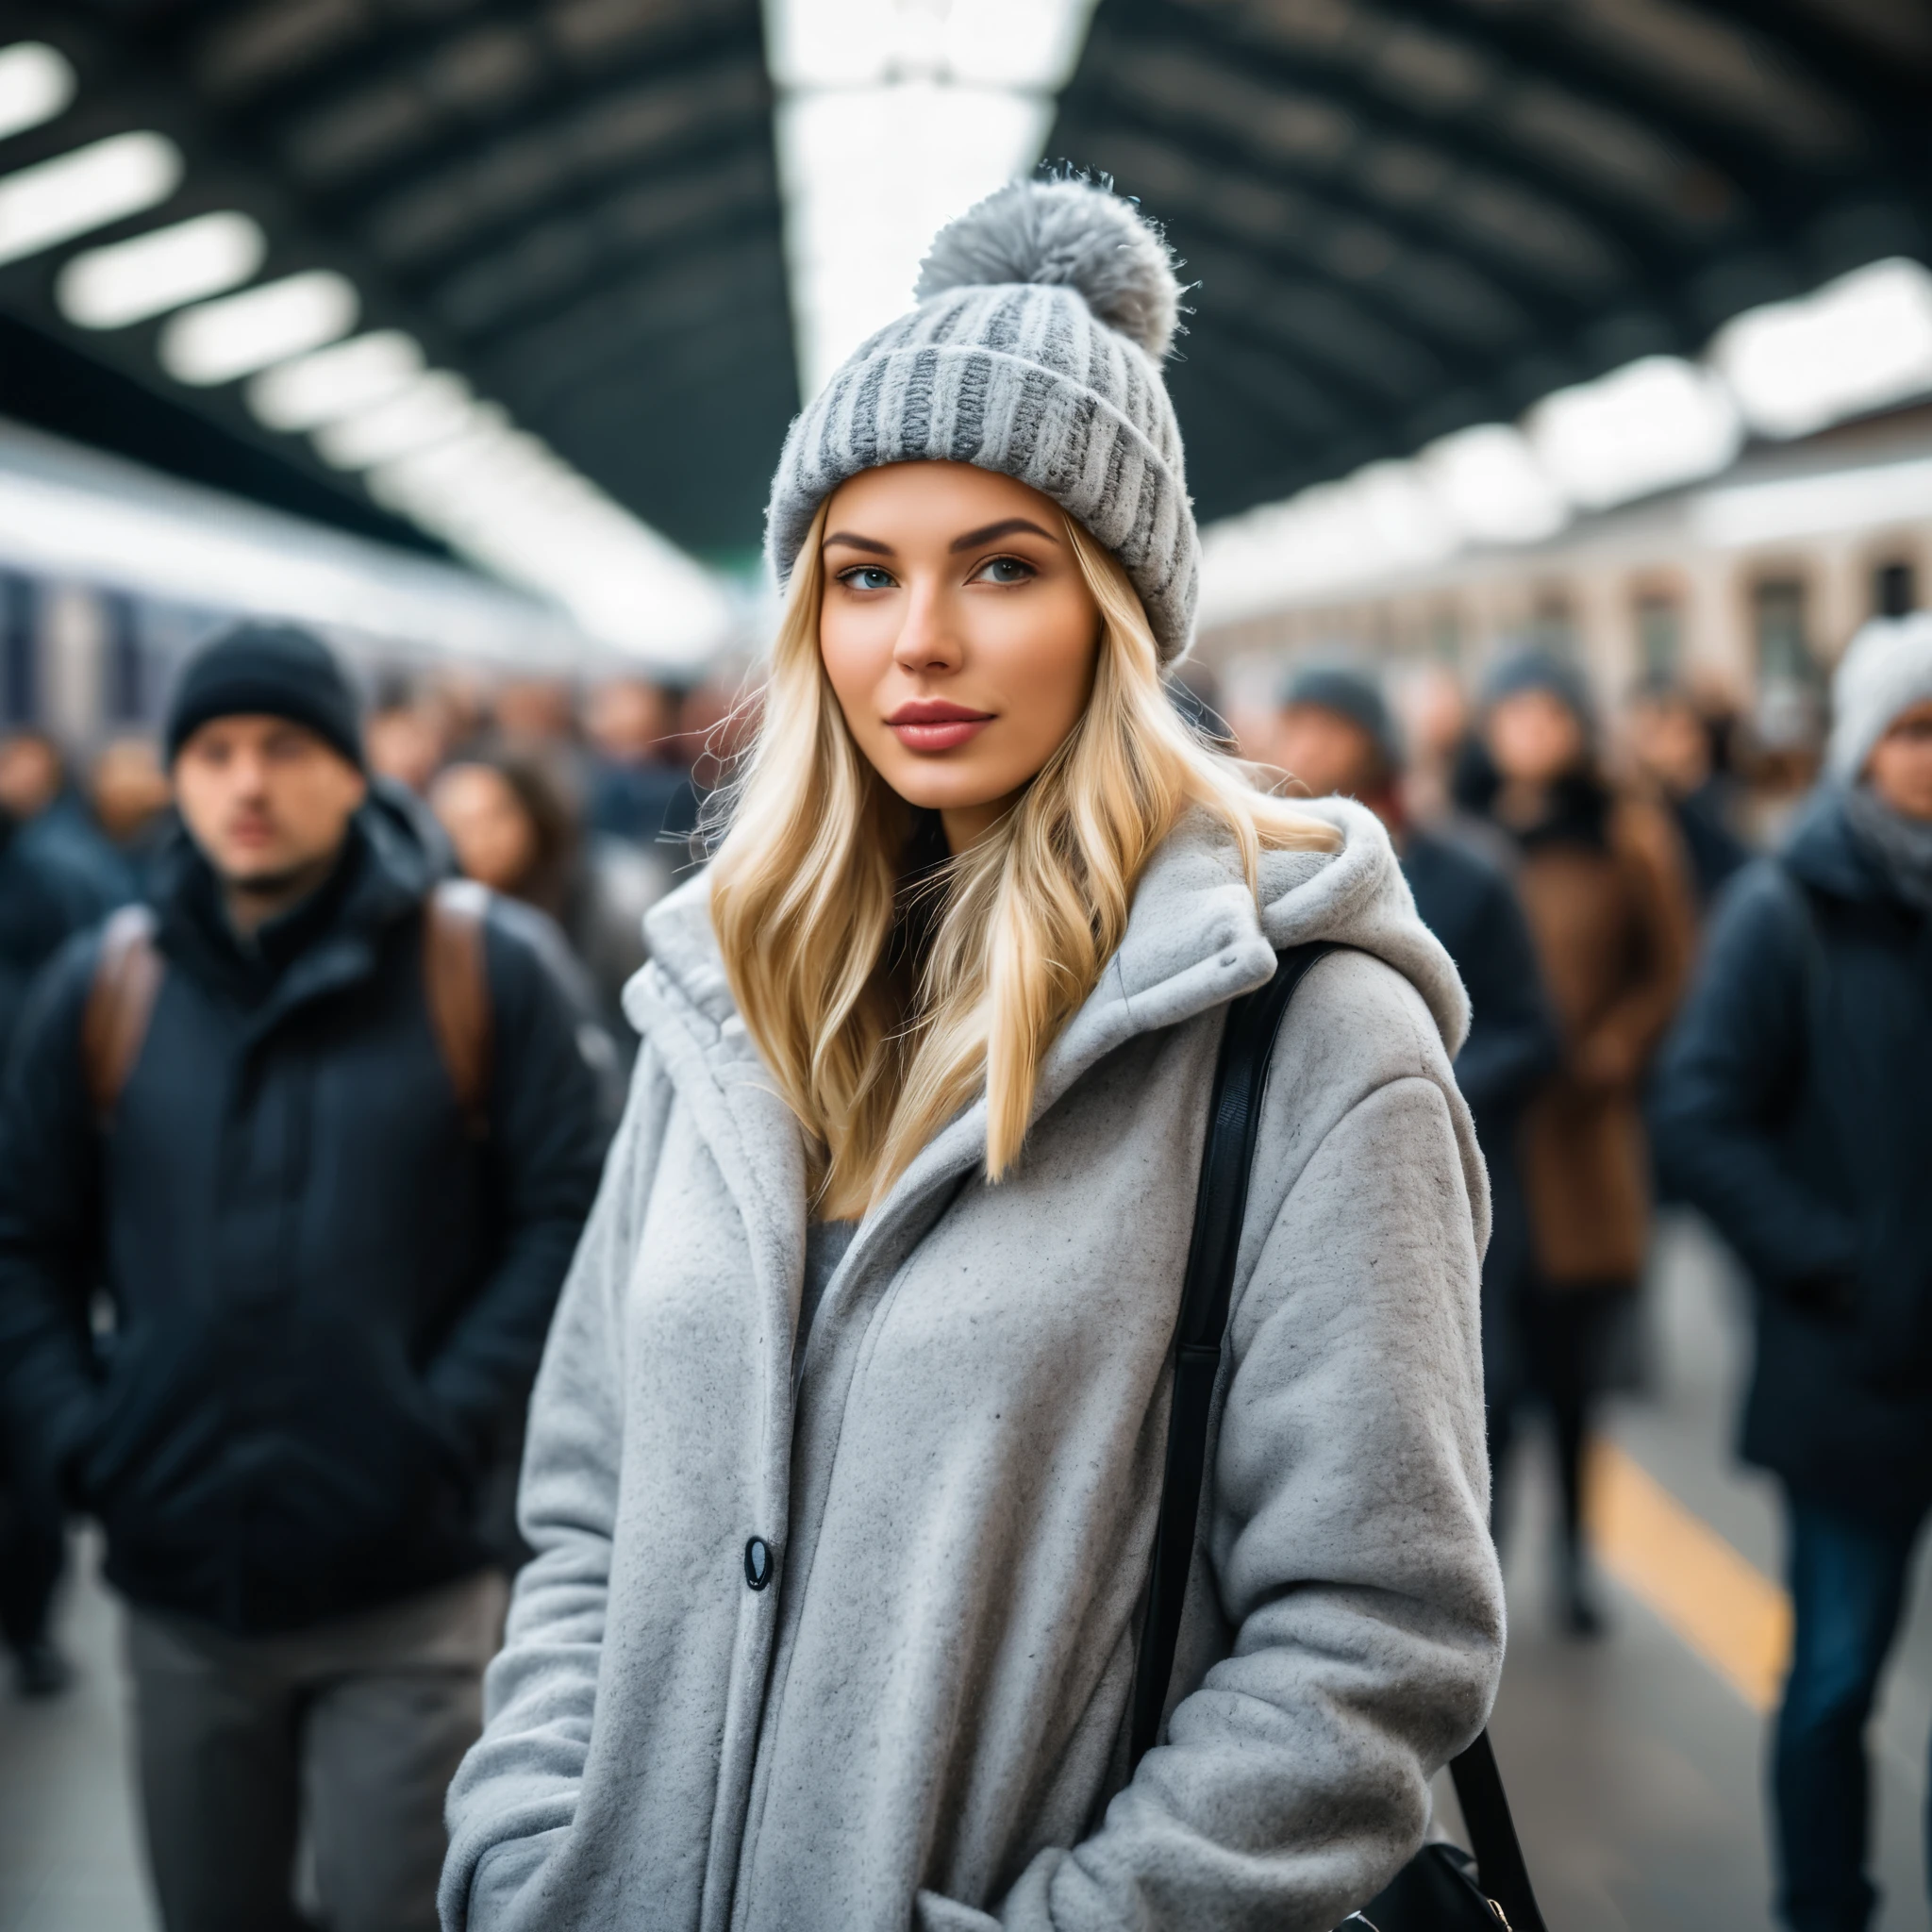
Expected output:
(19, 666)
(1445, 636)
(1894, 589)
(1784, 650)
(1553, 628)
(127, 684)
(1659, 638)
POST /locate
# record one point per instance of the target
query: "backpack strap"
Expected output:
(129, 970)
(456, 982)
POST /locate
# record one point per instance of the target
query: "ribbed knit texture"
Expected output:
(1024, 379)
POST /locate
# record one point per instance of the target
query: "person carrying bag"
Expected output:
(847, 1460)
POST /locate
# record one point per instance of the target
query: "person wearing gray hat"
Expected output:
(1792, 1109)
(846, 1464)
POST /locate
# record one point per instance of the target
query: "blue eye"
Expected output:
(866, 576)
(1005, 570)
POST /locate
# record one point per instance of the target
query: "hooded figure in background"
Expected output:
(1794, 1108)
(1603, 878)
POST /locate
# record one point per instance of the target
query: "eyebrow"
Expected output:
(974, 539)
(852, 542)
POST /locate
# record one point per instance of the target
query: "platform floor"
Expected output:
(1634, 1763)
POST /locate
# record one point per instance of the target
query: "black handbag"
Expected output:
(1441, 1889)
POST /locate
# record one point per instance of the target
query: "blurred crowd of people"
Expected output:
(1597, 881)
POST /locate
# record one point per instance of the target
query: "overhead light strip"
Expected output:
(1862, 343)
(894, 116)
(425, 446)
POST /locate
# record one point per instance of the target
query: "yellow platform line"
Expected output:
(1725, 1608)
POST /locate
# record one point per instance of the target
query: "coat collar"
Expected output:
(1196, 937)
(328, 941)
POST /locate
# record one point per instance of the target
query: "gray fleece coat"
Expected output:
(919, 1724)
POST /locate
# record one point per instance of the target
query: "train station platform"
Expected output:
(1634, 1763)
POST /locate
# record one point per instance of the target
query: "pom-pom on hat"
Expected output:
(1034, 350)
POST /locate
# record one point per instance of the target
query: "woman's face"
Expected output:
(495, 840)
(957, 632)
(1534, 737)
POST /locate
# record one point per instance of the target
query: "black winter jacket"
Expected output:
(1470, 905)
(54, 882)
(1792, 1107)
(328, 1295)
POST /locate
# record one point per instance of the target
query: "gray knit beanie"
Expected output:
(1034, 350)
(1886, 669)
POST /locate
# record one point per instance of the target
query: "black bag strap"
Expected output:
(1240, 1075)
(1234, 1119)
(1493, 1835)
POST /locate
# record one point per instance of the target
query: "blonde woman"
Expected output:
(846, 1456)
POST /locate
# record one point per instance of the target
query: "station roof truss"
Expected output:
(1403, 217)
(573, 204)
(1406, 217)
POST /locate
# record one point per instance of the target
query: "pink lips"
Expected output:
(933, 725)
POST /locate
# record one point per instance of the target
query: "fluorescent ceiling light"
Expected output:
(895, 117)
(1650, 425)
(1860, 343)
(239, 334)
(327, 383)
(431, 410)
(129, 281)
(857, 224)
(1026, 46)
(505, 501)
(87, 187)
(36, 84)
(1490, 483)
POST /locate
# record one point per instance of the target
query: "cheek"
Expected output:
(855, 642)
(1046, 658)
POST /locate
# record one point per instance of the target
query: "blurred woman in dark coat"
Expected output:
(1603, 879)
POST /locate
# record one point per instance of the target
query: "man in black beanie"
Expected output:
(320, 1128)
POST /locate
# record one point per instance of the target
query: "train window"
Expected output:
(1784, 650)
(20, 668)
(1659, 638)
(1894, 589)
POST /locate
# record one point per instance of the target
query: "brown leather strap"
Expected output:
(127, 977)
(458, 984)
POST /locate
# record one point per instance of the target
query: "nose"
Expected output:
(927, 640)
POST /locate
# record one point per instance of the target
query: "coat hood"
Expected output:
(1824, 849)
(1195, 938)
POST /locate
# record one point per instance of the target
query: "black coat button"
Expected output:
(758, 1562)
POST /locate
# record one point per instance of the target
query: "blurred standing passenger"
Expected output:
(1671, 742)
(406, 743)
(1795, 1109)
(638, 791)
(1602, 878)
(50, 888)
(1336, 733)
(37, 794)
(133, 803)
(322, 1134)
(511, 830)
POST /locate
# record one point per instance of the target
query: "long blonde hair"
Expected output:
(874, 1047)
